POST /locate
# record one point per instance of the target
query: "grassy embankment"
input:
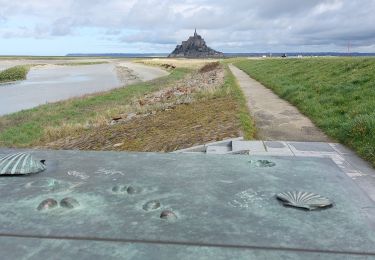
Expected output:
(338, 94)
(214, 115)
(14, 73)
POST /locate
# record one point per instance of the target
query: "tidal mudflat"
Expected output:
(51, 83)
(6, 62)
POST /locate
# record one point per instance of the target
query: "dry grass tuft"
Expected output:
(209, 67)
(169, 130)
(178, 63)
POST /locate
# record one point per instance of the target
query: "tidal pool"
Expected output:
(51, 83)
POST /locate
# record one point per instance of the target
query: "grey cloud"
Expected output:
(61, 27)
(243, 25)
(148, 37)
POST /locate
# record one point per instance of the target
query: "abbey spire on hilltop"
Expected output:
(195, 47)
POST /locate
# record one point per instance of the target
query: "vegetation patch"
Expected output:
(14, 74)
(209, 67)
(182, 127)
(338, 94)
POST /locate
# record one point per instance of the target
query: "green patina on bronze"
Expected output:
(222, 206)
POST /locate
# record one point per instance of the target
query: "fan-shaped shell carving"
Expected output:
(304, 200)
(262, 163)
(20, 163)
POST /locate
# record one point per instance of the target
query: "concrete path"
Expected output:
(274, 117)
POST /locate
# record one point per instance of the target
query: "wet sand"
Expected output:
(50, 82)
(53, 83)
(142, 71)
(5, 64)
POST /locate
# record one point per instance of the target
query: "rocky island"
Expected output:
(195, 47)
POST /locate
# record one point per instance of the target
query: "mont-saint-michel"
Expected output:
(195, 47)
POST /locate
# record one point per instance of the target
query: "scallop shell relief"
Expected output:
(20, 164)
(304, 200)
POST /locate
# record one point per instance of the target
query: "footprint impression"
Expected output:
(152, 205)
(50, 203)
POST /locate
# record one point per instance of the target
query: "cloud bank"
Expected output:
(230, 26)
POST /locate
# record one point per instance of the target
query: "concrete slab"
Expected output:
(363, 174)
(311, 147)
(218, 149)
(194, 149)
(223, 205)
(341, 149)
(278, 148)
(359, 164)
(225, 142)
(252, 146)
(203, 147)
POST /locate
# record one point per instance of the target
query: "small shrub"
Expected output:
(14, 74)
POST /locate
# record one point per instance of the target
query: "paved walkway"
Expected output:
(274, 117)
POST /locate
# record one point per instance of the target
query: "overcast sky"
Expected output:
(57, 27)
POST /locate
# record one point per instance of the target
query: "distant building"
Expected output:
(195, 47)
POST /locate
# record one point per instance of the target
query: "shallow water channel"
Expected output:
(53, 83)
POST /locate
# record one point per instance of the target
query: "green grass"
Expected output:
(232, 87)
(338, 94)
(26, 128)
(14, 73)
(232, 91)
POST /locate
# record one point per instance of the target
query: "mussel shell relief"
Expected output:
(20, 164)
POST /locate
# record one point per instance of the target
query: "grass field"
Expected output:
(338, 94)
(14, 73)
(214, 115)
